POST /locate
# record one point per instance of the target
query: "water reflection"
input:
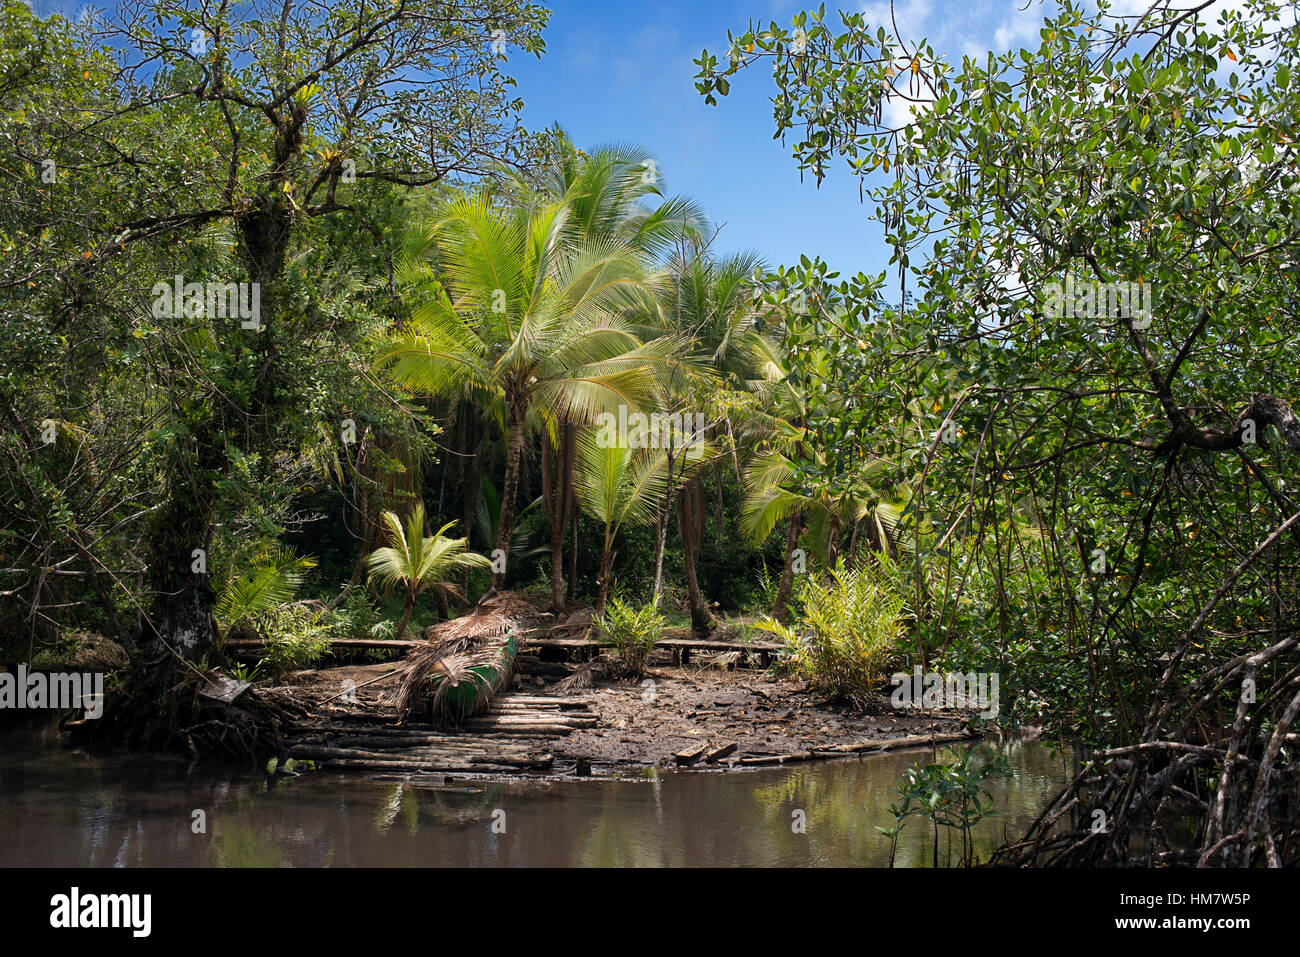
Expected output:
(61, 807)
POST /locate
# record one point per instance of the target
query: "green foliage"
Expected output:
(271, 581)
(954, 795)
(634, 631)
(295, 637)
(849, 624)
(358, 618)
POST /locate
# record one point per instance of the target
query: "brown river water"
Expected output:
(61, 807)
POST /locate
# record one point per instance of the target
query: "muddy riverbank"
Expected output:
(675, 716)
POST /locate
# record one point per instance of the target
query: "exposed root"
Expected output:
(1177, 798)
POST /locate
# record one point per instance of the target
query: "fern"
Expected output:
(849, 627)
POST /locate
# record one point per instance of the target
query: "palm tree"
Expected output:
(606, 193)
(416, 561)
(620, 483)
(711, 304)
(528, 319)
(268, 582)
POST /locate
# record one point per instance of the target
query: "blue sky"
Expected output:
(621, 72)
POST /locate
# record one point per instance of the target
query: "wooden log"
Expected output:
(372, 644)
(382, 743)
(353, 764)
(893, 744)
(579, 643)
(759, 760)
(546, 729)
(544, 700)
(524, 720)
(420, 756)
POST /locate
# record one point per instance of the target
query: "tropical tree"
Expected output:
(220, 143)
(618, 483)
(711, 308)
(529, 318)
(416, 562)
(609, 192)
(1099, 233)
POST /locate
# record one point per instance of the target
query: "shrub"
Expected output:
(634, 632)
(296, 637)
(850, 624)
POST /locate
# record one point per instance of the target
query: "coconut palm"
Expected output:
(712, 303)
(608, 193)
(416, 561)
(620, 483)
(711, 306)
(528, 319)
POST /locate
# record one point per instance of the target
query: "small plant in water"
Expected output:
(954, 796)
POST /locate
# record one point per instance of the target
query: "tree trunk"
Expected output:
(505, 521)
(719, 518)
(701, 621)
(661, 540)
(553, 492)
(571, 585)
(473, 479)
(407, 607)
(606, 574)
(182, 618)
(780, 607)
(661, 535)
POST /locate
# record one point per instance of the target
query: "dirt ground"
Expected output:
(675, 708)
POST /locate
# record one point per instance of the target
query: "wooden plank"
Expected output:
(717, 754)
(373, 644)
(683, 647)
(512, 698)
(689, 755)
(562, 643)
(704, 645)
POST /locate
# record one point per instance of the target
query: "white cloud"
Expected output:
(910, 15)
(898, 112)
(1135, 8)
(1019, 29)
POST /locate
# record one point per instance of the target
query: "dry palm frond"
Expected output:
(582, 679)
(471, 651)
